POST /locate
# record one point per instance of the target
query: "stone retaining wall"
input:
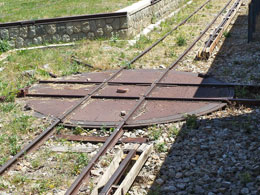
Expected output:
(143, 13)
(126, 22)
(26, 33)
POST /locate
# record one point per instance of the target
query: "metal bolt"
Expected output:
(123, 113)
(121, 90)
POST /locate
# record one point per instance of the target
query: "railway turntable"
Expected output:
(178, 94)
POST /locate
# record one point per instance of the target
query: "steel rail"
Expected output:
(209, 99)
(214, 38)
(202, 33)
(202, 99)
(48, 132)
(167, 34)
(255, 102)
(30, 146)
(202, 85)
(85, 174)
(164, 84)
(214, 34)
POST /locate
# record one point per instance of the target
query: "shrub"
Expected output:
(180, 40)
(4, 46)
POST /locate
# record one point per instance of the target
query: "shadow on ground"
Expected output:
(222, 155)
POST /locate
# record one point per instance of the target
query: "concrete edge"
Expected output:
(136, 7)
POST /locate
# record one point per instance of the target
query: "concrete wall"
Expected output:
(126, 22)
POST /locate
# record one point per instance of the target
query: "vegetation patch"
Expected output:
(245, 92)
(4, 46)
(29, 10)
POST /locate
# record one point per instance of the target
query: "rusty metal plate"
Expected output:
(130, 90)
(51, 107)
(139, 76)
(108, 106)
(61, 89)
(185, 77)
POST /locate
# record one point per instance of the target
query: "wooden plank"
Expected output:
(95, 139)
(129, 179)
(109, 172)
(121, 170)
(82, 149)
(131, 146)
(142, 147)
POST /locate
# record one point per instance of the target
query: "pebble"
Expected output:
(46, 66)
(244, 191)
(170, 188)
(162, 66)
(181, 186)
(29, 73)
(95, 172)
(199, 189)
(178, 175)
(159, 181)
(151, 177)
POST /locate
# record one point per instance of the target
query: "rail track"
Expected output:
(115, 137)
(215, 36)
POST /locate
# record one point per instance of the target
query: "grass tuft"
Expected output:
(180, 40)
(191, 121)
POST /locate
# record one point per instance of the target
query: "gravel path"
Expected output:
(222, 156)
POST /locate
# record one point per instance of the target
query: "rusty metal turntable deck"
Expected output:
(170, 101)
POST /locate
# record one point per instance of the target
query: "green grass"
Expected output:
(37, 9)
(61, 172)
(243, 92)
(245, 177)
(191, 121)
(227, 34)
(154, 132)
(16, 127)
(161, 147)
